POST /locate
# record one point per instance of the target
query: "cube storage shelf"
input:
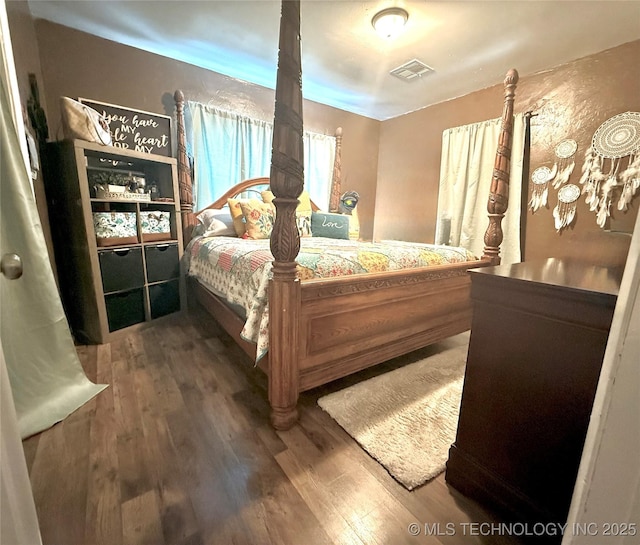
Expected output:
(118, 258)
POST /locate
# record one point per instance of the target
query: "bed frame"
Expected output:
(324, 329)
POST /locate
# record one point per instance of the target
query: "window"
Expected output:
(466, 170)
(227, 148)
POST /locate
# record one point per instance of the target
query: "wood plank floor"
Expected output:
(179, 451)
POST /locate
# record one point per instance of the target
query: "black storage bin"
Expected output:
(125, 308)
(164, 298)
(162, 262)
(121, 269)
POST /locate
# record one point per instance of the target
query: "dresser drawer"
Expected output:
(163, 262)
(121, 269)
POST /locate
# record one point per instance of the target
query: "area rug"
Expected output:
(407, 418)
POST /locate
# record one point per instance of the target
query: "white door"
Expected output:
(18, 519)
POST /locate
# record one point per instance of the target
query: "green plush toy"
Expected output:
(348, 203)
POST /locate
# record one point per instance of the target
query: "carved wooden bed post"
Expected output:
(184, 171)
(287, 182)
(499, 192)
(336, 185)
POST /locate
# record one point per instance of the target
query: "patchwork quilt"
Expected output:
(239, 270)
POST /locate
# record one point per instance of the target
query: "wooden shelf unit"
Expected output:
(107, 289)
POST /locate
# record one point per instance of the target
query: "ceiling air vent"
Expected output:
(411, 70)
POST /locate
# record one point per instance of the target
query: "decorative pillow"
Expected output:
(303, 206)
(354, 225)
(303, 211)
(259, 217)
(237, 215)
(216, 223)
(328, 225)
(303, 221)
(198, 230)
(267, 196)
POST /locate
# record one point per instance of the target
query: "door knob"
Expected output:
(11, 266)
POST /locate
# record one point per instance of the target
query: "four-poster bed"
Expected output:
(324, 329)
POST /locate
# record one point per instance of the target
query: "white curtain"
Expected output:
(319, 155)
(47, 380)
(466, 170)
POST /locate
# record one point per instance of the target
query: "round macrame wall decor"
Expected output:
(617, 138)
(566, 149)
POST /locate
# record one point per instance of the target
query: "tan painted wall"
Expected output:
(394, 165)
(77, 64)
(571, 101)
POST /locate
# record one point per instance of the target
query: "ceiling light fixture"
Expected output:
(390, 22)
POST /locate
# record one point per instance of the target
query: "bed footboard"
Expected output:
(349, 324)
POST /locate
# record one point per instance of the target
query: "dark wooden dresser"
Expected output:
(537, 343)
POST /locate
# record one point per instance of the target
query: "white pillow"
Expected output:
(217, 223)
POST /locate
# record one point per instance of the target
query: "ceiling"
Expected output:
(469, 44)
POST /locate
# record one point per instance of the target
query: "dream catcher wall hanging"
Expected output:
(615, 139)
(565, 211)
(540, 178)
(564, 165)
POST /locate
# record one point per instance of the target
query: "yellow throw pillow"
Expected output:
(238, 217)
(267, 196)
(259, 217)
(303, 206)
(305, 203)
(354, 225)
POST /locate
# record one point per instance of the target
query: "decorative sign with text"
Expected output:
(135, 129)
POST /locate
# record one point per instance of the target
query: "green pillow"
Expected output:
(328, 225)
